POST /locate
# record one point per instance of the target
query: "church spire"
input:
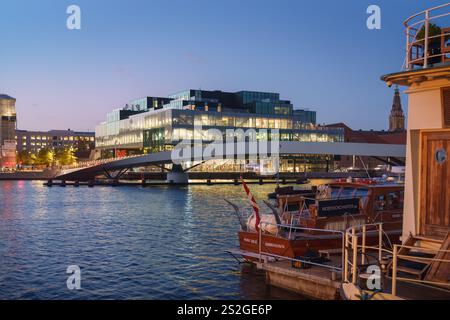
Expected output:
(397, 118)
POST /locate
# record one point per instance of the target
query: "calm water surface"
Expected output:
(130, 243)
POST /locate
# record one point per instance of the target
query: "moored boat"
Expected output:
(290, 190)
(300, 225)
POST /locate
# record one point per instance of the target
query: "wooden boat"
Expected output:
(289, 190)
(306, 225)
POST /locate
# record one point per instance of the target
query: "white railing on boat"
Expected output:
(292, 230)
(419, 38)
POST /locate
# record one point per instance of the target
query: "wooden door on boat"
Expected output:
(435, 184)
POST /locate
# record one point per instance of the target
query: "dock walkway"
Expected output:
(314, 282)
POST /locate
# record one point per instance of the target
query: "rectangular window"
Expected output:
(446, 106)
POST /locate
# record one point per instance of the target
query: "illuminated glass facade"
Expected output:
(159, 129)
(7, 131)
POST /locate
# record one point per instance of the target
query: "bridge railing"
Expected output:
(85, 164)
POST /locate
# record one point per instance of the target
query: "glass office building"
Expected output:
(8, 122)
(158, 129)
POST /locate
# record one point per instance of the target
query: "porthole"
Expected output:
(441, 156)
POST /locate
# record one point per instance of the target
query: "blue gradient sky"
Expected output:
(319, 54)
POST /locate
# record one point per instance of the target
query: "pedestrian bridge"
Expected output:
(114, 168)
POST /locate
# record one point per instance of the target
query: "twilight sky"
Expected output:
(318, 54)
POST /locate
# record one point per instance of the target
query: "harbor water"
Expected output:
(129, 243)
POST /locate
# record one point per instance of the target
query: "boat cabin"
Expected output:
(341, 205)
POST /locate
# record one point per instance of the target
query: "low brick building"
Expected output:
(369, 136)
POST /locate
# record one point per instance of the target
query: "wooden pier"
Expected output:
(151, 183)
(314, 282)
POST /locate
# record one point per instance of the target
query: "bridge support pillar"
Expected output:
(178, 177)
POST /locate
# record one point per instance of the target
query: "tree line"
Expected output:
(48, 157)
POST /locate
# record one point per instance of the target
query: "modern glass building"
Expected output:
(7, 131)
(160, 128)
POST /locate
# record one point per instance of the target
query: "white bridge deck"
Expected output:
(228, 151)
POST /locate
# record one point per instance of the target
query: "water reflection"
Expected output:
(131, 243)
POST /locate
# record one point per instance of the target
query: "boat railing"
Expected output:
(292, 230)
(355, 254)
(353, 247)
(397, 257)
(424, 45)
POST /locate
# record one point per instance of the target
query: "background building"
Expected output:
(397, 118)
(34, 141)
(7, 131)
(368, 136)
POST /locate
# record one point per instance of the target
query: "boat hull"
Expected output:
(291, 248)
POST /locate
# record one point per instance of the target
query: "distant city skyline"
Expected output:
(320, 55)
